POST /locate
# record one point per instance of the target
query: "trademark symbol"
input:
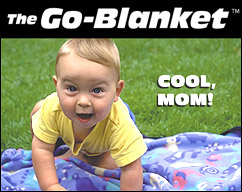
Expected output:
(235, 11)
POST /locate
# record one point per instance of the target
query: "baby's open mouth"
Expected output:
(84, 117)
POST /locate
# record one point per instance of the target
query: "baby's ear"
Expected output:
(119, 88)
(54, 80)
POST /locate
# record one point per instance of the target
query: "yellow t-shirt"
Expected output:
(117, 133)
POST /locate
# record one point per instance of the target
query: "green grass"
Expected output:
(27, 66)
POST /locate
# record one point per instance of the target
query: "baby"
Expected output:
(88, 114)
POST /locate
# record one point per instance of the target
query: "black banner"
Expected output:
(147, 19)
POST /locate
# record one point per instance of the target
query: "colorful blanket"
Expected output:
(186, 161)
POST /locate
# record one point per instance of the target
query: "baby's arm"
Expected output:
(132, 176)
(44, 165)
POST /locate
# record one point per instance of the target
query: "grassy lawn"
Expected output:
(27, 66)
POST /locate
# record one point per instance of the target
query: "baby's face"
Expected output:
(86, 90)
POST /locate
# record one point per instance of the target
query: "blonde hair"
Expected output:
(102, 51)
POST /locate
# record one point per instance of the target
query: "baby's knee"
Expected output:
(37, 106)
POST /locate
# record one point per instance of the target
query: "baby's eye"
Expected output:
(96, 90)
(72, 89)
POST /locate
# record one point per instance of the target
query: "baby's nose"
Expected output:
(84, 100)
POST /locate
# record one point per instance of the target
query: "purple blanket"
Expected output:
(186, 161)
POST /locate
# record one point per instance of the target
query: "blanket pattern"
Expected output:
(186, 161)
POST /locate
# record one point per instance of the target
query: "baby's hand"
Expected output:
(56, 187)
